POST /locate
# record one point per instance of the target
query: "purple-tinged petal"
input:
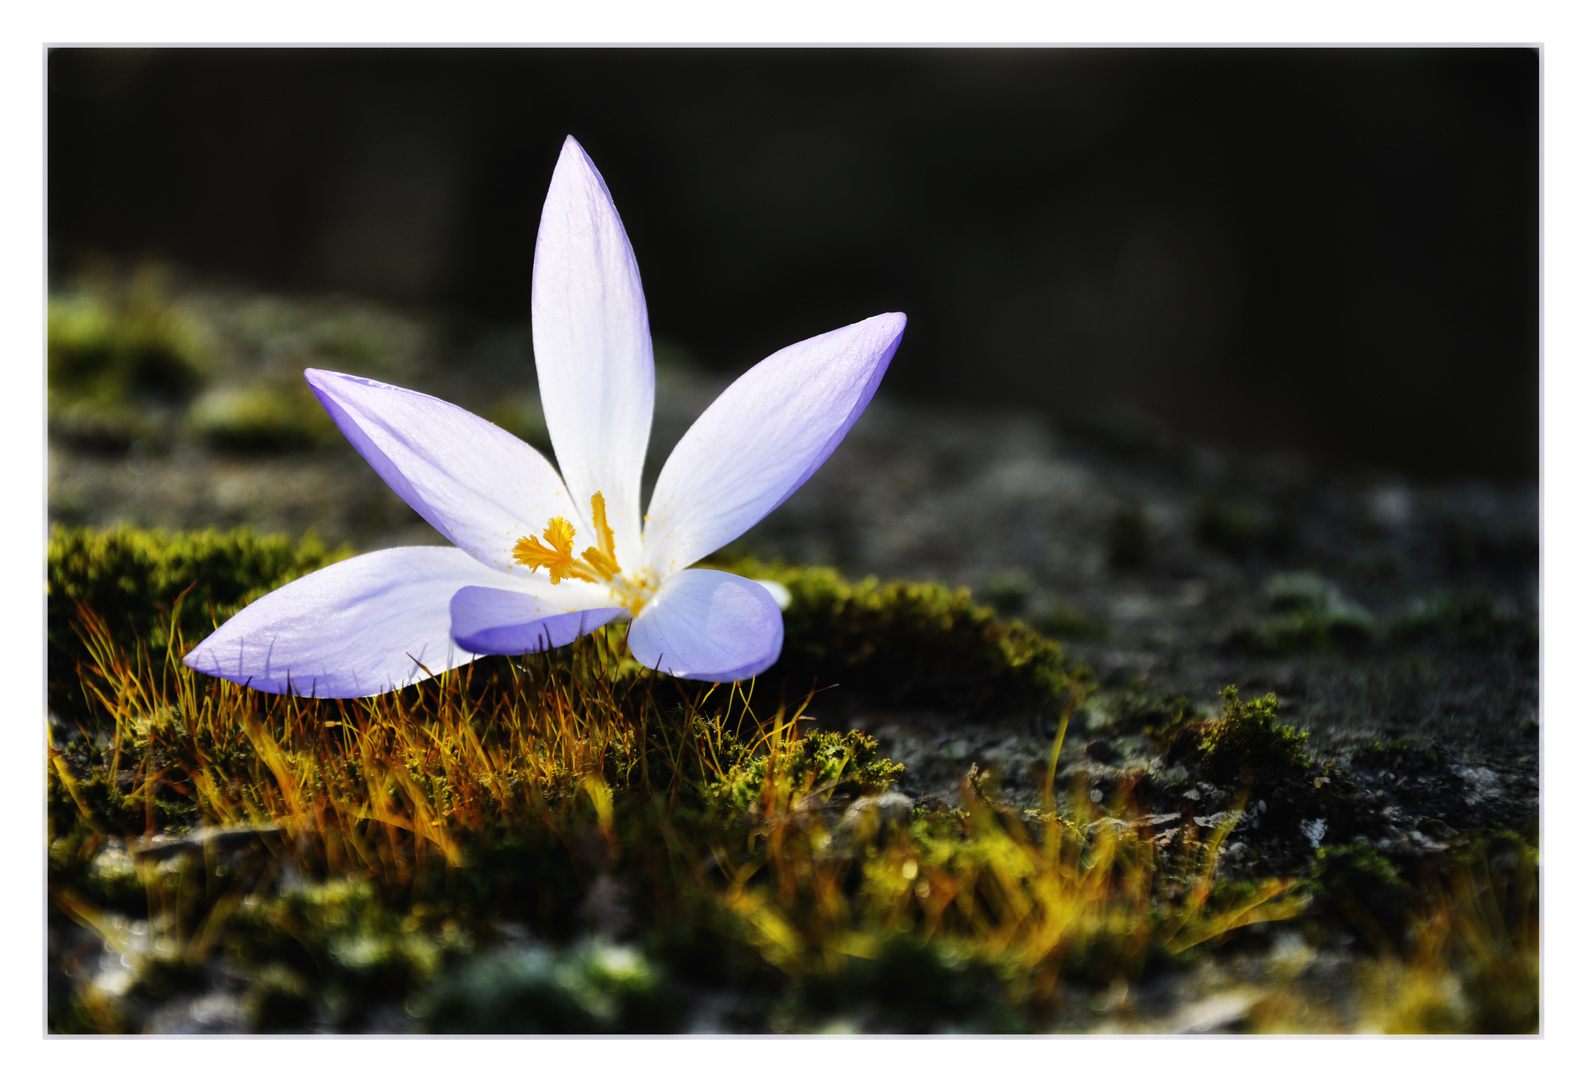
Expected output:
(709, 625)
(762, 438)
(778, 592)
(505, 622)
(370, 624)
(481, 487)
(592, 346)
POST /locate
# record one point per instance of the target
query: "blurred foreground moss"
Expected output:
(1453, 947)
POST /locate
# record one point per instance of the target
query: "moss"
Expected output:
(1244, 742)
(1502, 977)
(1455, 933)
(279, 1000)
(825, 762)
(104, 427)
(339, 941)
(359, 336)
(107, 348)
(71, 1014)
(132, 579)
(163, 976)
(908, 986)
(1467, 618)
(1358, 871)
(567, 791)
(1160, 718)
(109, 800)
(1397, 755)
(899, 641)
(1009, 592)
(594, 987)
(1313, 615)
(908, 643)
(1060, 621)
(263, 417)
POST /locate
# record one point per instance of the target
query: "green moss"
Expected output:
(1359, 885)
(1009, 592)
(1160, 718)
(104, 426)
(593, 988)
(107, 349)
(1246, 741)
(1468, 618)
(824, 762)
(1398, 755)
(108, 799)
(262, 417)
(1502, 980)
(336, 918)
(1467, 920)
(161, 976)
(1314, 615)
(908, 642)
(279, 1000)
(900, 641)
(908, 986)
(70, 1014)
(132, 579)
(359, 336)
(339, 938)
(1060, 621)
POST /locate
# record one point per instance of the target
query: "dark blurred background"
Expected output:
(1334, 252)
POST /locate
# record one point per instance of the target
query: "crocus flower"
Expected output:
(540, 559)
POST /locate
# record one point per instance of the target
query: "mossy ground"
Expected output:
(570, 843)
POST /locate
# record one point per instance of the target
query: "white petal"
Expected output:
(592, 347)
(370, 624)
(762, 438)
(481, 487)
(507, 622)
(710, 625)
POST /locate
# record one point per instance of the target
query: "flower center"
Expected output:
(597, 565)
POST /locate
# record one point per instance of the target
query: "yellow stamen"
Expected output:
(605, 567)
(607, 537)
(554, 553)
(602, 558)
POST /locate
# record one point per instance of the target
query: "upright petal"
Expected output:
(762, 438)
(592, 347)
(481, 487)
(374, 623)
(506, 622)
(710, 625)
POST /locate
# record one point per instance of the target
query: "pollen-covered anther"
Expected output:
(554, 552)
